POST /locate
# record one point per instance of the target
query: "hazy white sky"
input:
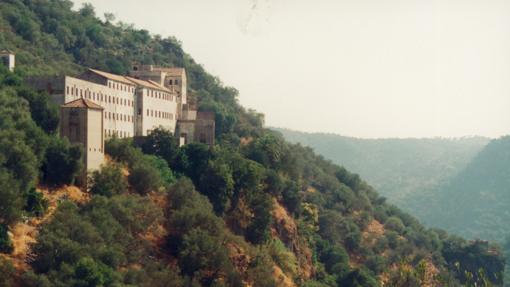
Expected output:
(365, 68)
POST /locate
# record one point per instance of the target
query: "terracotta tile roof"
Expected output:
(160, 86)
(149, 84)
(131, 81)
(82, 103)
(112, 76)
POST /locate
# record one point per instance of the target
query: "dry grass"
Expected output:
(285, 229)
(23, 234)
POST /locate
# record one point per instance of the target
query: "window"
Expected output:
(176, 82)
(109, 99)
(67, 90)
(147, 112)
(170, 82)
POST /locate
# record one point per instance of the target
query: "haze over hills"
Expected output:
(400, 169)
(475, 203)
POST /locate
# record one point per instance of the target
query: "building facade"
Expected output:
(82, 123)
(130, 106)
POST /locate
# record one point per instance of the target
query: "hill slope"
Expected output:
(254, 210)
(475, 202)
(400, 169)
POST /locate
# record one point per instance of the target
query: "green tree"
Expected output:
(218, 185)
(162, 143)
(144, 178)
(11, 201)
(35, 203)
(358, 278)
(108, 181)
(62, 162)
(258, 229)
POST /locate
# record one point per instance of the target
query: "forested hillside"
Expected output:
(400, 169)
(475, 202)
(253, 210)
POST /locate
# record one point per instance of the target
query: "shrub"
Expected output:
(11, 201)
(5, 241)
(7, 272)
(62, 162)
(291, 197)
(35, 203)
(162, 143)
(358, 278)
(283, 257)
(395, 224)
(144, 178)
(166, 174)
(218, 185)
(258, 229)
(122, 150)
(108, 181)
(335, 259)
(274, 183)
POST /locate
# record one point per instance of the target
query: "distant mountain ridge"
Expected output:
(476, 202)
(400, 169)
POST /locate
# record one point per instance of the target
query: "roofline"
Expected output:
(88, 105)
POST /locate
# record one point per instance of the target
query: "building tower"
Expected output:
(81, 121)
(7, 58)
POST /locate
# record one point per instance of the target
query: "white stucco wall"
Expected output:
(117, 99)
(158, 109)
(94, 146)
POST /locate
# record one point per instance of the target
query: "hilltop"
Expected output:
(252, 210)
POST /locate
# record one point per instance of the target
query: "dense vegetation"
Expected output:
(251, 209)
(400, 169)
